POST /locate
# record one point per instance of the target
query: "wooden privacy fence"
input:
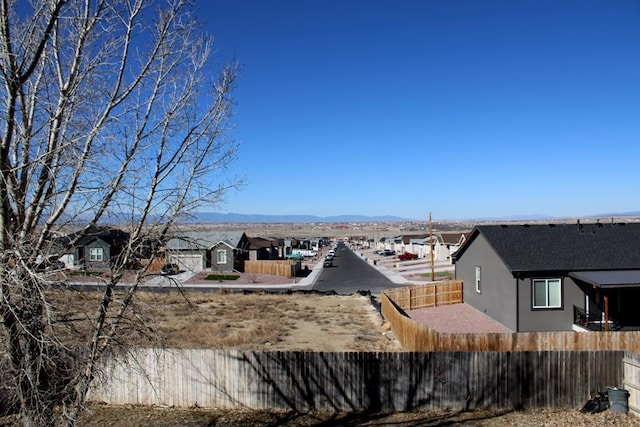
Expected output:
(631, 380)
(427, 295)
(276, 268)
(357, 381)
(414, 336)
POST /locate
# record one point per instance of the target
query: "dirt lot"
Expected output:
(99, 416)
(262, 321)
(116, 416)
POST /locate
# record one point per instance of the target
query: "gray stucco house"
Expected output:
(95, 248)
(195, 251)
(554, 277)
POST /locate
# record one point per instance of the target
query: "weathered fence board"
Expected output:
(631, 380)
(358, 381)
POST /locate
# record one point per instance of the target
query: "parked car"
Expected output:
(387, 252)
(170, 269)
(51, 264)
(296, 256)
(328, 262)
(407, 255)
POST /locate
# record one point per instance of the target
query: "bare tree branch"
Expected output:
(110, 109)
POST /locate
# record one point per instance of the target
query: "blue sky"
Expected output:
(461, 108)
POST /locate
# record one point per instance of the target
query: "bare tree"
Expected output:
(109, 111)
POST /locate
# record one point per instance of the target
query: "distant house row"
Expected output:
(443, 245)
(227, 251)
(191, 250)
(555, 277)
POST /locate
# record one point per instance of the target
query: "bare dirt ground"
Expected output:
(254, 321)
(99, 415)
(263, 321)
(130, 416)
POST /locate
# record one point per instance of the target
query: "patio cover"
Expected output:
(609, 279)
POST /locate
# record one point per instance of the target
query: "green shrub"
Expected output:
(222, 277)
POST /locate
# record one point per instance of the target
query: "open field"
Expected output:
(334, 230)
(255, 321)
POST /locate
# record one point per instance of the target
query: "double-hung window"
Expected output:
(96, 254)
(221, 256)
(547, 293)
(478, 279)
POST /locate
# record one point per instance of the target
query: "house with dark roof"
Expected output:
(555, 277)
(93, 248)
(265, 248)
(199, 250)
(451, 242)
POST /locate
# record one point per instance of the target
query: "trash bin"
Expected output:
(618, 400)
(375, 262)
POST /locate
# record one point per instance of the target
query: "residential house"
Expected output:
(261, 248)
(419, 245)
(444, 244)
(449, 244)
(555, 277)
(95, 248)
(217, 250)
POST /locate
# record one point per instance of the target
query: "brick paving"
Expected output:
(457, 318)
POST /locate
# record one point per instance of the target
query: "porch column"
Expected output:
(606, 312)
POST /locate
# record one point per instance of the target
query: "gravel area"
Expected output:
(457, 318)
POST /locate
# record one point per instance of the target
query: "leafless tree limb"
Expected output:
(109, 111)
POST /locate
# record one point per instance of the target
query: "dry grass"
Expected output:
(225, 320)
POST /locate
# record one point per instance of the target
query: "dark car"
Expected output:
(328, 262)
(170, 269)
(50, 265)
(387, 252)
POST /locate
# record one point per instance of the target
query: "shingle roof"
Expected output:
(204, 240)
(453, 238)
(111, 236)
(261, 242)
(563, 247)
(409, 237)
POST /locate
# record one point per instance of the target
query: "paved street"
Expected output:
(350, 273)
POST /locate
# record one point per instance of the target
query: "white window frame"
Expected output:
(96, 254)
(478, 279)
(221, 256)
(548, 290)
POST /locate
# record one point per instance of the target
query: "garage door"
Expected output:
(193, 263)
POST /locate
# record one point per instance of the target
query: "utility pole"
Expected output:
(431, 249)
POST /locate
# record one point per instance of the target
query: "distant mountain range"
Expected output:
(222, 218)
(541, 217)
(212, 217)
